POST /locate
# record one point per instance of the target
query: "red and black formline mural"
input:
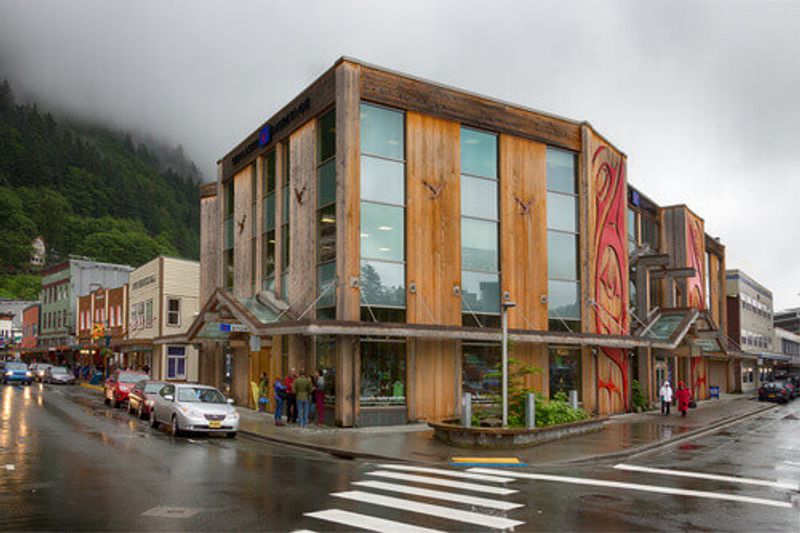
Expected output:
(610, 271)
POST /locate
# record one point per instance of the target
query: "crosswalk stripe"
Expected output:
(701, 475)
(439, 495)
(468, 517)
(368, 523)
(643, 488)
(488, 489)
(450, 473)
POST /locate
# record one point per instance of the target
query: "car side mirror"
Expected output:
(169, 397)
(230, 401)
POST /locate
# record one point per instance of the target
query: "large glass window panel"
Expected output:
(229, 198)
(327, 135)
(650, 232)
(269, 212)
(478, 197)
(285, 254)
(269, 254)
(562, 255)
(326, 273)
(562, 212)
(561, 171)
(565, 371)
(381, 132)
(383, 374)
(326, 234)
(563, 299)
(286, 202)
(383, 283)
(269, 172)
(631, 229)
(478, 245)
(326, 186)
(478, 153)
(382, 232)
(382, 180)
(326, 365)
(480, 292)
(480, 371)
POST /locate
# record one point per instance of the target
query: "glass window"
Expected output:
(326, 274)
(476, 197)
(565, 371)
(631, 230)
(383, 284)
(650, 232)
(561, 175)
(326, 365)
(173, 312)
(382, 232)
(286, 203)
(562, 212)
(480, 292)
(382, 180)
(269, 212)
(326, 234)
(382, 132)
(229, 198)
(562, 255)
(480, 371)
(478, 153)
(564, 299)
(269, 172)
(286, 247)
(479, 245)
(327, 135)
(326, 188)
(383, 373)
(176, 362)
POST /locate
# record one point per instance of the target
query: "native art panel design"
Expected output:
(610, 287)
(695, 254)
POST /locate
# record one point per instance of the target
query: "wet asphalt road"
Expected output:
(69, 462)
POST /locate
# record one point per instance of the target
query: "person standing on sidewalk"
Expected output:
(302, 389)
(666, 397)
(684, 396)
(291, 397)
(280, 398)
(319, 396)
(263, 393)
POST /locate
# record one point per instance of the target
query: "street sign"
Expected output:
(232, 328)
(255, 343)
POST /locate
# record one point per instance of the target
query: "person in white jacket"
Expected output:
(666, 397)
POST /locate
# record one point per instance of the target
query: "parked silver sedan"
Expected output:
(58, 374)
(195, 408)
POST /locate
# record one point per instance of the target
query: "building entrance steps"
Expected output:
(623, 435)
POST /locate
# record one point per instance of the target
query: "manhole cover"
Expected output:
(171, 512)
(791, 416)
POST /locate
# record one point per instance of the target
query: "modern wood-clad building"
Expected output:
(374, 226)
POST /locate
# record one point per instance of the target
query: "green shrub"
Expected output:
(637, 396)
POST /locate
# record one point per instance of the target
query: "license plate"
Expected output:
(214, 424)
(772, 395)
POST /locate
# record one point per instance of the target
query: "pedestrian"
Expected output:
(263, 393)
(291, 397)
(146, 369)
(319, 396)
(280, 399)
(666, 397)
(302, 390)
(684, 396)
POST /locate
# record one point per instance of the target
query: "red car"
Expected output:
(119, 385)
(141, 397)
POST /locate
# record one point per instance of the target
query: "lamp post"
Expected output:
(505, 306)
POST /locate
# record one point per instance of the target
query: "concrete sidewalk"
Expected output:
(622, 435)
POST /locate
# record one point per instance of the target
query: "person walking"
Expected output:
(666, 397)
(280, 398)
(302, 390)
(319, 396)
(684, 396)
(291, 397)
(263, 393)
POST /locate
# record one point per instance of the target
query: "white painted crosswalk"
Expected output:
(440, 495)
(428, 480)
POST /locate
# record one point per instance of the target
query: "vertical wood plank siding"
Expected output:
(242, 183)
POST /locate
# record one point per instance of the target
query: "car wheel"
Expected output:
(153, 419)
(176, 429)
(231, 434)
(130, 411)
(107, 400)
(115, 402)
(139, 412)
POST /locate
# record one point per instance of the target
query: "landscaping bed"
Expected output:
(453, 433)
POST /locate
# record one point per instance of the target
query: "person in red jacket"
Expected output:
(684, 396)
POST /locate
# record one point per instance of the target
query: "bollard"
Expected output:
(466, 410)
(573, 399)
(530, 411)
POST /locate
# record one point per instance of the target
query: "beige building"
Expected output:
(163, 302)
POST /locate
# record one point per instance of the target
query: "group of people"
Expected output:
(682, 395)
(303, 396)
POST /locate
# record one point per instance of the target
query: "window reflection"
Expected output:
(383, 373)
(480, 369)
(383, 284)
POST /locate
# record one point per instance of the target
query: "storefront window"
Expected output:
(326, 365)
(383, 373)
(565, 371)
(480, 368)
(326, 216)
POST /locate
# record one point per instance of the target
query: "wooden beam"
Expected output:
(674, 272)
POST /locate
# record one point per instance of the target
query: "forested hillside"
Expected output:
(89, 191)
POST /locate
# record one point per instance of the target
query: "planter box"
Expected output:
(450, 432)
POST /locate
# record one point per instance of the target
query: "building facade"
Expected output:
(6, 331)
(30, 328)
(163, 298)
(102, 322)
(377, 226)
(788, 345)
(788, 320)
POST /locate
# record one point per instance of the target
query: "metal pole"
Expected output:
(504, 320)
(466, 410)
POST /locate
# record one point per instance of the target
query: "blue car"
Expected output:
(14, 371)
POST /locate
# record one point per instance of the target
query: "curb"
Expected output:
(330, 450)
(96, 388)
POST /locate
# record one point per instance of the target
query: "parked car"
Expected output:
(119, 384)
(16, 371)
(58, 374)
(776, 391)
(142, 397)
(39, 369)
(196, 408)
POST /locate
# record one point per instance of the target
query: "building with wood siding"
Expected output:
(102, 322)
(373, 227)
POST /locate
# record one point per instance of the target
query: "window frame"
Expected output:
(170, 312)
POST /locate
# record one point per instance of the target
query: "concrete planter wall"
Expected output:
(450, 432)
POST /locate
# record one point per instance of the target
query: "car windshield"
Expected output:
(200, 394)
(128, 377)
(16, 366)
(153, 387)
(58, 370)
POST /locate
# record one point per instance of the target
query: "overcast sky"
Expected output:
(704, 97)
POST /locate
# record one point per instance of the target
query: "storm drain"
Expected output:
(171, 512)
